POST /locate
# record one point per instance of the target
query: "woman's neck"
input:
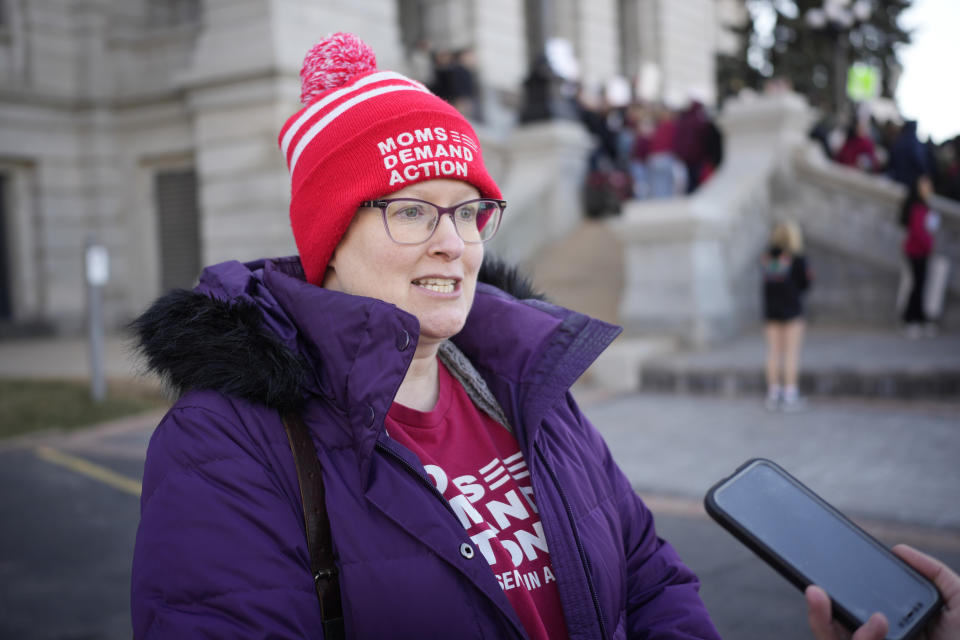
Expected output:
(421, 387)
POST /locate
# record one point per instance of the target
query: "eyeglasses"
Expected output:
(411, 221)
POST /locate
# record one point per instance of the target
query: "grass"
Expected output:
(33, 405)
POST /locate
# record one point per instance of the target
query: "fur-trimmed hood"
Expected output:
(218, 337)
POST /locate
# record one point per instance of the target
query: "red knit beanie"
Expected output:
(362, 135)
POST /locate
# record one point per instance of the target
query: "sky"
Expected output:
(929, 88)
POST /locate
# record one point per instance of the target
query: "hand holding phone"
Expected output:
(825, 627)
(810, 542)
(944, 627)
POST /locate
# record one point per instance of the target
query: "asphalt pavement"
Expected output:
(890, 465)
(69, 506)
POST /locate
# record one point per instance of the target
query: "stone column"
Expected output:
(546, 164)
(238, 99)
(243, 86)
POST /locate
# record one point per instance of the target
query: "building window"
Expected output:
(178, 223)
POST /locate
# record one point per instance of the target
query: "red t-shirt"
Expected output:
(478, 467)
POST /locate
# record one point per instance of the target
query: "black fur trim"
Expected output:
(498, 273)
(194, 341)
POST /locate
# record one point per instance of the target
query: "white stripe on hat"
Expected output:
(310, 111)
(321, 124)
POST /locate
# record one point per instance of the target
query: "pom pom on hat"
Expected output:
(332, 62)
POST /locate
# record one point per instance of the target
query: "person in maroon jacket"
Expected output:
(920, 222)
(858, 149)
(690, 142)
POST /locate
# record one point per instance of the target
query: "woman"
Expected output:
(785, 280)
(920, 222)
(467, 495)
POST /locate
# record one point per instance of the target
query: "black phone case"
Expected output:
(799, 580)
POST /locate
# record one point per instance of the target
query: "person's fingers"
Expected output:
(947, 582)
(818, 613)
(946, 624)
(873, 629)
(825, 628)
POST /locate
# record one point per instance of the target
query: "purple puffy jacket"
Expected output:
(221, 551)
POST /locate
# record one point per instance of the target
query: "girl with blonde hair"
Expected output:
(786, 277)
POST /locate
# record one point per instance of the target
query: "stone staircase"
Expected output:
(584, 271)
(681, 274)
(835, 361)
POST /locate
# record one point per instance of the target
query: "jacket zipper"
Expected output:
(409, 467)
(576, 536)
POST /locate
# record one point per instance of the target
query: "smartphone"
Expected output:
(810, 542)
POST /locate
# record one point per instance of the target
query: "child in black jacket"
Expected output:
(786, 278)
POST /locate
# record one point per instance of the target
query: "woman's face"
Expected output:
(435, 280)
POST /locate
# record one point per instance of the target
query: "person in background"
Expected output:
(467, 494)
(858, 149)
(920, 222)
(640, 150)
(713, 150)
(420, 62)
(689, 142)
(603, 124)
(909, 158)
(950, 175)
(662, 163)
(443, 75)
(822, 128)
(463, 83)
(786, 278)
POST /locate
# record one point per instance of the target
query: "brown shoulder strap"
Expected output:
(317, 525)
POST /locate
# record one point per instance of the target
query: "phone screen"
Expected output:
(796, 528)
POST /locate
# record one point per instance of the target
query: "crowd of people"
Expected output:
(641, 149)
(647, 150)
(892, 149)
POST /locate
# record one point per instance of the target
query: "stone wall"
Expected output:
(540, 169)
(89, 98)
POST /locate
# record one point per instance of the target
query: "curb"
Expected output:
(913, 385)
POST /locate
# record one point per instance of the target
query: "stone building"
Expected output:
(149, 126)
